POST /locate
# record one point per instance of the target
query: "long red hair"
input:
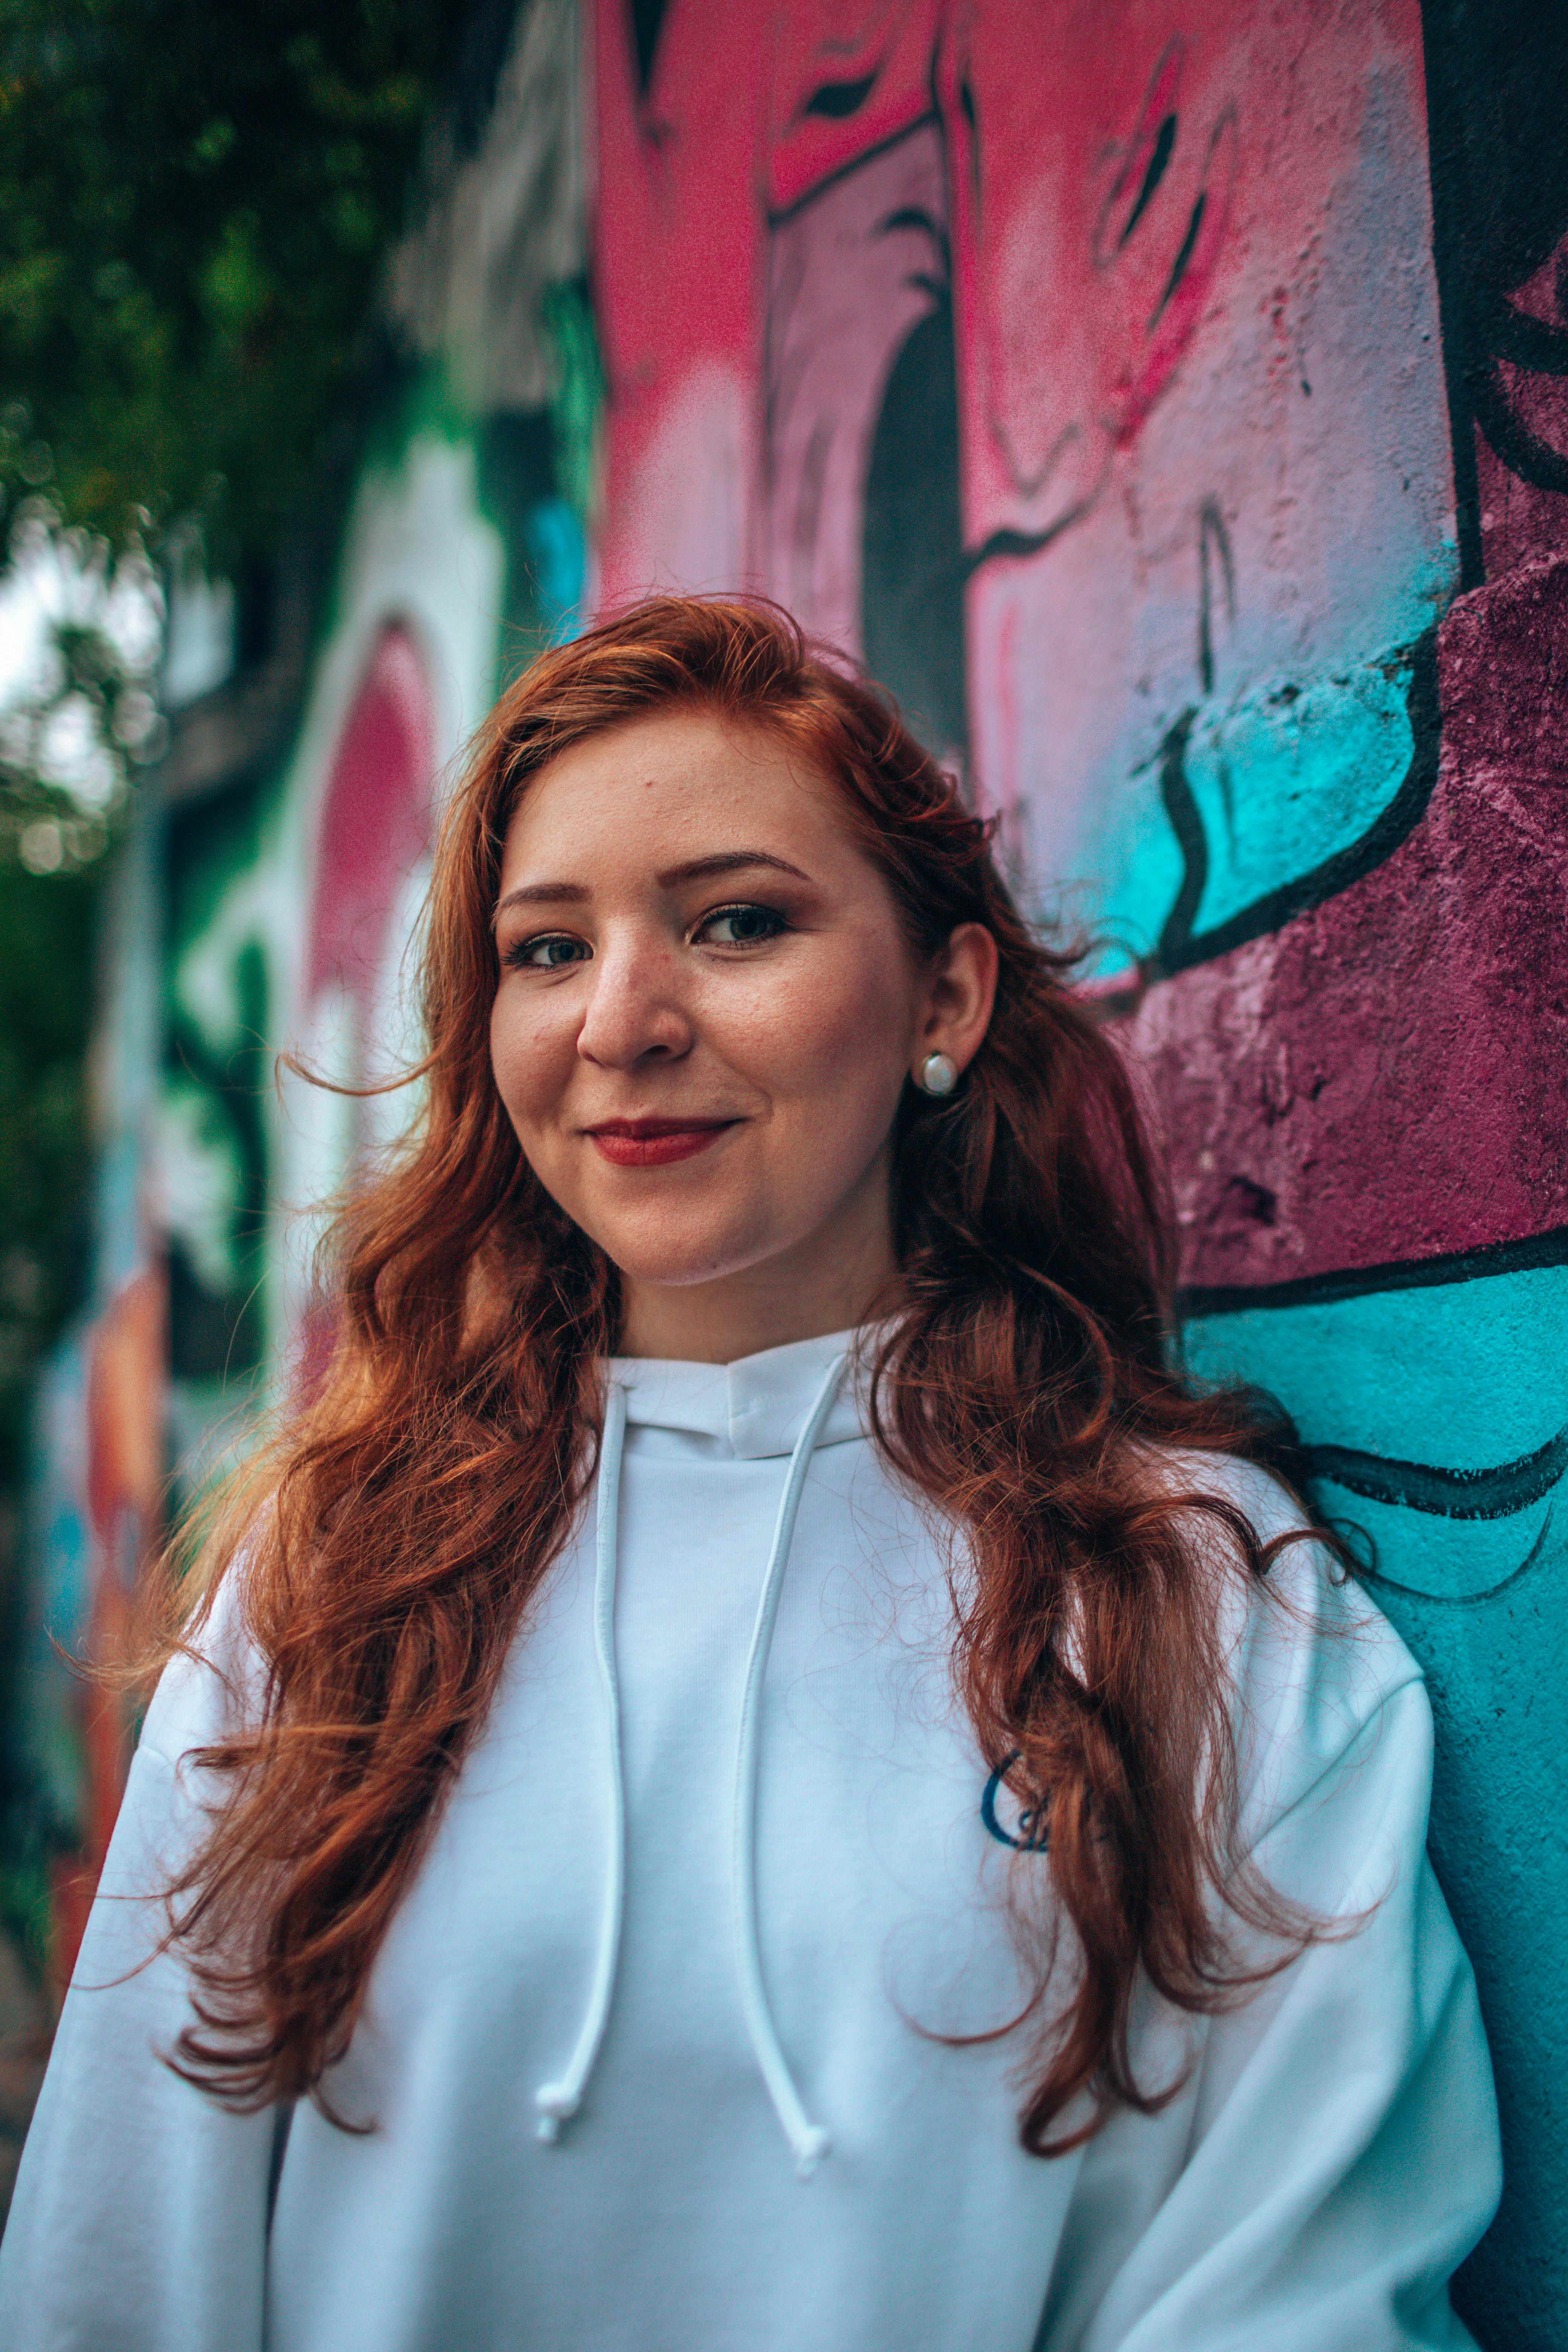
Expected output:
(385, 1549)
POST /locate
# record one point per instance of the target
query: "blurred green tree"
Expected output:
(46, 923)
(194, 205)
(194, 202)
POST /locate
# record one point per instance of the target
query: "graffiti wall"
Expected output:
(1166, 399)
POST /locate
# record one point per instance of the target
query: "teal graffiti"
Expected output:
(558, 563)
(1274, 802)
(1436, 1414)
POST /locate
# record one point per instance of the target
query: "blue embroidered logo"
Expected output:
(1023, 1835)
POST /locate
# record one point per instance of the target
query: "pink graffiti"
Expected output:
(678, 266)
(1093, 175)
(1082, 238)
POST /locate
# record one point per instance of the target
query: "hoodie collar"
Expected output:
(757, 1405)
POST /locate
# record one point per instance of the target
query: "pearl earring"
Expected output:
(937, 1075)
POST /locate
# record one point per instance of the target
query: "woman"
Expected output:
(753, 1672)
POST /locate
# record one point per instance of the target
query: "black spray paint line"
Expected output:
(1145, 156)
(1010, 542)
(1495, 1493)
(777, 215)
(1524, 453)
(1164, 142)
(1219, 180)
(1532, 1559)
(967, 108)
(837, 100)
(1526, 1256)
(1179, 267)
(1180, 947)
(1183, 815)
(1494, 76)
(647, 23)
(1453, 212)
(915, 217)
(1213, 552)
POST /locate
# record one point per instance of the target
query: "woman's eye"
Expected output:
(547, 953)
(740, 927)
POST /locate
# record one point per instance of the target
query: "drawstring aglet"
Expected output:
(556, 2107)
(808, 2142)
(555, 2103)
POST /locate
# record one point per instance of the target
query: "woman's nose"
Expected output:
(636, 1005)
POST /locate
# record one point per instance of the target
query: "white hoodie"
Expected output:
(814, 1858)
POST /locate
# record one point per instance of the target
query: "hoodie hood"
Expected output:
(754, 1407)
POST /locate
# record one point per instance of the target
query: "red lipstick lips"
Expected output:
(656, 1142)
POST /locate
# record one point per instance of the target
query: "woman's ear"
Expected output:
(961, 991)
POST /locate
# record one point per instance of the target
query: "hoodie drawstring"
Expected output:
(557, 2102)
(808, 2140)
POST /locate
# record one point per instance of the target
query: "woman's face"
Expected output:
(706, 1015)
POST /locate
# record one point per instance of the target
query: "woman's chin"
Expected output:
(684, 1258)
(662, 1271)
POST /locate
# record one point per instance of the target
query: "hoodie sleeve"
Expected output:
(1333, 2154)
(139, 2221)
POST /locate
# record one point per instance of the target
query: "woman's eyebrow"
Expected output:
(726, 861)
(543, 894)
(694, 869)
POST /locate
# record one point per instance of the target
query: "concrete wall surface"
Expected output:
(1168, 399)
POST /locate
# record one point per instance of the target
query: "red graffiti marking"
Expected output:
(374, 831)
(375, 817)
